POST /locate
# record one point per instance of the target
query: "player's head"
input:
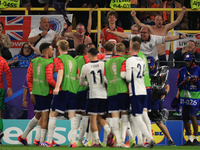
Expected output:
(135, 39)
(158, 21)
(112, 17)
(119, 48)
(46, 48)
(126, 44)
(26, 50)
(1, 27)
(63, 45)
(109, 46)
(90, 45)
(189, 60)
(81, 49)
(151, 63)
(92, 54)
(80, 29)
(144, 32)
(44, 23)
(135, 29)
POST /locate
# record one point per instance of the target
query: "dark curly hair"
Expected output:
(22, 53)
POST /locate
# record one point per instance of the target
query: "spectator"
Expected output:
(161, 30)
(124, 16)
(167, 14)
(135, 29)
(148, 17)
(5, 42)
(25, 55)
(42, 34)
(104, 37)
(38, 3)
(180, 53)
(79, 37)
(149, 41)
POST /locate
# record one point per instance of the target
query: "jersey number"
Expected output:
(94, 77)
(141, 71)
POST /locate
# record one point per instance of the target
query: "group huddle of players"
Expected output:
(93, 87)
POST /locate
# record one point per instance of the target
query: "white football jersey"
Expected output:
(107, 57)
(135, 68)
(93, 71)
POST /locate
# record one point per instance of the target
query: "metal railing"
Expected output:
(109, 9)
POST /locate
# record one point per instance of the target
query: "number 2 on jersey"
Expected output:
(94, 77)
(141, 71)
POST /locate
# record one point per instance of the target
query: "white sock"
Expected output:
(95, 137)
(129, 131)
(83, 127)
(132, 125)
(51, 128)
(73, 129)
(147, 121)
(110, 122)
(124, 125)
(196, 137)
(137, 131)
(90, 134)
(78, 118)
(32, 123)
(43, 135)
(38, 133)
(107, 128)
(142, 126)
(190, 138)
(116, 130)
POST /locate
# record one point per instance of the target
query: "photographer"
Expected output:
(189, 84)
(156, 104)
(190, 47)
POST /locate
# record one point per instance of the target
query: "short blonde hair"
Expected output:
(120, 47)
(135, 45)
(63, 44)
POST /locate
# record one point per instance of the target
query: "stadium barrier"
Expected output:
(62, 135)
(172, 10)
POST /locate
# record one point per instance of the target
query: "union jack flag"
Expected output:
(17, 27)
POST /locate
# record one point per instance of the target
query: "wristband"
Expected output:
(24, 100)
(180, 36)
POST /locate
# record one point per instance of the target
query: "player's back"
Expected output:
(94, 74)
(135, 67)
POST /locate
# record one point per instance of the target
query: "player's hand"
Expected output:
(56, 91)
(108, 30)
(9, 92)
(44, 33)
(33, 99)
(25, 104)
(46, 7)
(183, 36)
(184, 9)
(133, 13)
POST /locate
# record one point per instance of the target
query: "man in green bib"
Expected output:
(40, 82)
(65, 92)
(116, 92)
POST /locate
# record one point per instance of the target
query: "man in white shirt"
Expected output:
(42, 34)
(149, 41)
(96, 105)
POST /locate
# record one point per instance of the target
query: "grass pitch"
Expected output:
(33, 147)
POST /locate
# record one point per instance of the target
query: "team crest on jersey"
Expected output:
(38, 69)
(114, 68)
(55, 25)
(150, 45)
(70, 65)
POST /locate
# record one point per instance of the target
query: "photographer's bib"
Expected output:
(189, 98)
